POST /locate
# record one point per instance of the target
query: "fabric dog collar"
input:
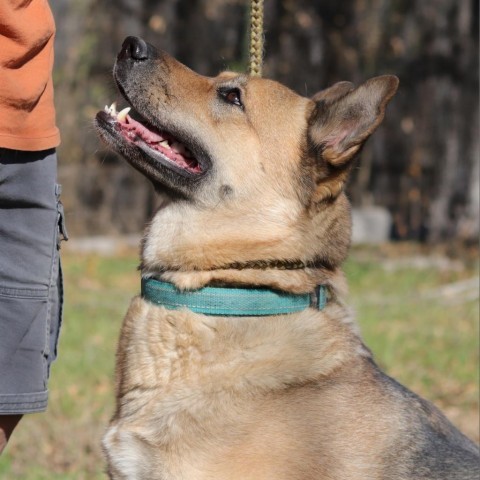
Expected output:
(235, 302)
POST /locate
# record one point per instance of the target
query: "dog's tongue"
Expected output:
(164, 143)
(148, 135)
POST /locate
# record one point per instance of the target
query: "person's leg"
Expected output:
(30, 282)
(7, 425)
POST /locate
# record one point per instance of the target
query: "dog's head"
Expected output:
(251, 170)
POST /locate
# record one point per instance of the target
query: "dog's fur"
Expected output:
(294, 396)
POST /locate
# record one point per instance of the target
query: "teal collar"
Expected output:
(235, 302)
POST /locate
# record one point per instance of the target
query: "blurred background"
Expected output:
(416, 298)
(420, 170)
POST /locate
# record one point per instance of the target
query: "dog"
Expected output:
(252, 181)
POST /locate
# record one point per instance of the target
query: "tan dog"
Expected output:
(252, 177)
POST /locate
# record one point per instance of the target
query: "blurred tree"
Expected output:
(423, 164)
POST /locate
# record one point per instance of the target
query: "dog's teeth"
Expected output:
(165, 144)
(106, 109)
(178, 147)
(113, 109)
(121, 116)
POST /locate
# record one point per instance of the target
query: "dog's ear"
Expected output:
(335, 92)
(344, 117)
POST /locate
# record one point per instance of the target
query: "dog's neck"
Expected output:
(193, 247)
(294, 281)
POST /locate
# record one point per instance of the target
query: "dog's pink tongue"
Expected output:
(147, 135)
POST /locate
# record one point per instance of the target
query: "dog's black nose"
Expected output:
(134, 48)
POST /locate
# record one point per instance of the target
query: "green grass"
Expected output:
(423, 339)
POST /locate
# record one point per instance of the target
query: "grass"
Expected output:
(425, 339)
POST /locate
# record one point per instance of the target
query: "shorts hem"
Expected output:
(21, 403)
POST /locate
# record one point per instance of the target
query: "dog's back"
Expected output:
(430, 447)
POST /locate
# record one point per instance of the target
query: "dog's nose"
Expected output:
(133, 48)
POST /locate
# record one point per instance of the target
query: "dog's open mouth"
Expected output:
(162, 146)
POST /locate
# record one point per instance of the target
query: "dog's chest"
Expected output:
(177, 360)
(195, 393)
(248, 441)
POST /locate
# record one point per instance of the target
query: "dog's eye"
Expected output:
(232, 95)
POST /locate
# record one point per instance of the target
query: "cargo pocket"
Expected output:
(55, 296)
(62, 233)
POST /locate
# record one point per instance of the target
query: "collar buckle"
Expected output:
(318, 298)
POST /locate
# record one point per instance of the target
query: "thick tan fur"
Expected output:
(293, 396)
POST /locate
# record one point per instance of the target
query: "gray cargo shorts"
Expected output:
(31, 291)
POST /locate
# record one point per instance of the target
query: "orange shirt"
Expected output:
(27, 112)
